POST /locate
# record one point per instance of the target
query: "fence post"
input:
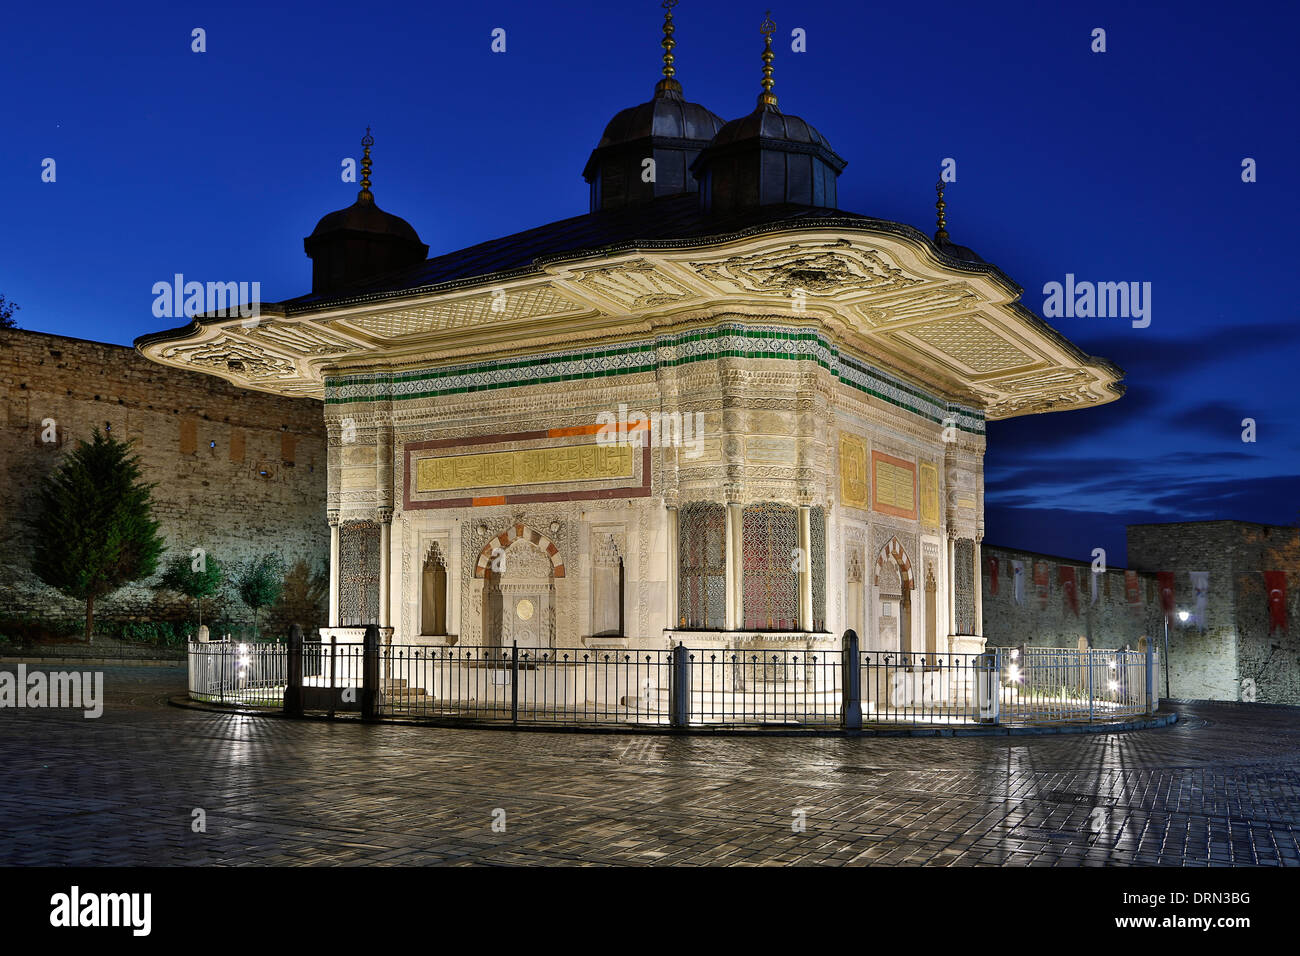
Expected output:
(293, 673)
(222, 685)
(1151, 677)
(514, 682)
(851, 683)
(1087, 656)
(370, 673)
(679, 702)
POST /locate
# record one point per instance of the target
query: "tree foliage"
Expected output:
(196, 578)
(95, 530)
(7, 310)
(260, 583)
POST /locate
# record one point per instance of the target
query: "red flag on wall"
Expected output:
(993, 575)
(1165, 581)
(1040, 583)
(1275, 585)
(1132, 589)
(1069, 586)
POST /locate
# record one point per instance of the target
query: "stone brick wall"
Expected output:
(1230, 655)
(1109, 623)
(1235, 553)
(238, 473)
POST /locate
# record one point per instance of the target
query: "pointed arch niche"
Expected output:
(433, 592)
(894, 585)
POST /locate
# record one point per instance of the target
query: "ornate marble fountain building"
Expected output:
(714, 409)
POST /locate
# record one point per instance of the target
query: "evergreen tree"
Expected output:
(260, 583)
(194, 577)
(95, 531)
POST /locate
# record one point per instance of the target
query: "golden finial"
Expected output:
(669, 83)
(366, 142)
(767, 99)
(942, 234)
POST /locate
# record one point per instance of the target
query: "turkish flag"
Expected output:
(1165, 580)
(1275, 585)
(1040, 583)
(1070, 586)
(1132, 589)
(993, 575)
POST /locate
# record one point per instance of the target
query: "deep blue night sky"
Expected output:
(1122, 166)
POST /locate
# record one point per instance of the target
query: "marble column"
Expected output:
(735, 568)
(805, 568)
(670, 599)
(334, 568)
(385, 565)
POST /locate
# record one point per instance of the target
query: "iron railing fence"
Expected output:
(1061, 685)
(682, 687)
(238, 672)
(536, 685)
(780, 687)
(920, 689)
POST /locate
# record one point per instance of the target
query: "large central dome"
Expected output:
(667, 129)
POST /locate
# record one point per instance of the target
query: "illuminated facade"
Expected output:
(715, 409)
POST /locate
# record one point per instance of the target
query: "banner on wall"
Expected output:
(1275, 585)
(1040, 583)
(1065, 576)
(1201, 588)
(1132, 589)
(1165, 582)
(1018, 582)
(992, 565)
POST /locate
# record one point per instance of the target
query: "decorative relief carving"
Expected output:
(529, 466)
(894, 483)
(853, 472)
(970, 342)
(487, 309)
(828, 269)
(241, 357)
(920, 304)
(302, 337)
(929, 481)
(634, 286)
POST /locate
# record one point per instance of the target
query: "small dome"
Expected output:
(364, 216)
(668, 115)
(667, 129)
(349, 246)
(769, 124)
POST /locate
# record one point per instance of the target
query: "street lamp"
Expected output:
(1182, 619)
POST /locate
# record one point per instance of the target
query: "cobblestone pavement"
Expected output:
(1221, 787)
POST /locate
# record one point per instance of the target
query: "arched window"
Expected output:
(702, 566)
(771, 582)
(433, 593)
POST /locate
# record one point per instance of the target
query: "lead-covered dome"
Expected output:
(667, 129)
(767, 157)
(351, 245)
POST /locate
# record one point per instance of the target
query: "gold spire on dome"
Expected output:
(669, 83)
(767, 99)
(942, 234)
(366, 142)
